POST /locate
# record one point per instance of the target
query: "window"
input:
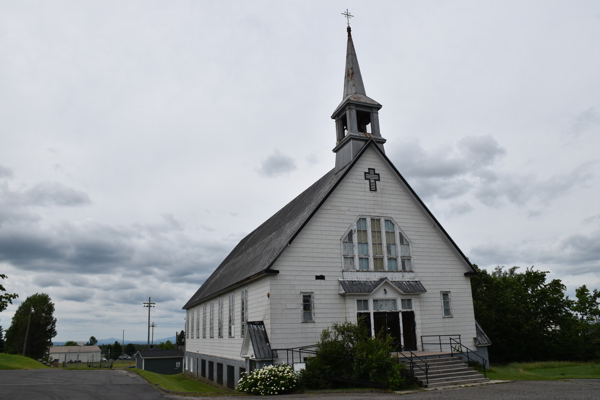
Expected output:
(363, 244)
(197, 322)
(385, 305)
(362, 305)
(204, 321)
(232, 315)
(307, 307)
(187, 324)
(211, 332)
(244, 311)
(446, 304)
(220, 332)
(376, 244)
(406, 304)
(192, 324)
(349, 251)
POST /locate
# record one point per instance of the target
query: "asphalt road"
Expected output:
(119, 385)
(53, 384)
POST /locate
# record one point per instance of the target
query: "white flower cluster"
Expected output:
(273, 379)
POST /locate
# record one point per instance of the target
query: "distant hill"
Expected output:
(112, 340)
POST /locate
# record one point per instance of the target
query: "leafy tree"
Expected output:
(168, 345)
(71, 343)
(130, 349)
(180, 339)
(92, 341)
(6, 298)
(586, 306)
(41, 330)
(117, 349)
(526, 317)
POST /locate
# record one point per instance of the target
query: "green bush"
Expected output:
(269, 380)
(345, 351)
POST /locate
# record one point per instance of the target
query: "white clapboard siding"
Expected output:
(317, 251)
(227, 347)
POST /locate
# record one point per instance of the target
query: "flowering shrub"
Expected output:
(268, 380)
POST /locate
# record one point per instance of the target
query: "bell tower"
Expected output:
(357, 116)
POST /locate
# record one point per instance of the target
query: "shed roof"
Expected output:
(260, 341)
(366, 287)
(74, 349)
(156, 353)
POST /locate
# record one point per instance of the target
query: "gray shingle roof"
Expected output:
(258, 251)
(155, 353)
(366, 287)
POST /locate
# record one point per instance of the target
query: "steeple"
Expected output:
(357, 116)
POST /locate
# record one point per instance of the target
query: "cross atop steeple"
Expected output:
(348, 16)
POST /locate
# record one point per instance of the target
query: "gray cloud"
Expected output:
(53, 194)
(277, 164)
(583, 122)
(524, 189)
(459, 208)
(5, 172)
(77, 295)
(592, 220)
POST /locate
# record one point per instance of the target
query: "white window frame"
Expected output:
(231, 325)
(220, 323)
(243, 311)
(407, 302)
(404, 258)
(311, 304)
(444, 308)
(211, 331)
(187, 324)
(197, 322)
(192, 324)
(204, 321)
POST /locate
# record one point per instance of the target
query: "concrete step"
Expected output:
(450, 375)
(456, 382)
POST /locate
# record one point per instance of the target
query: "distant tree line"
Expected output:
(531, 319)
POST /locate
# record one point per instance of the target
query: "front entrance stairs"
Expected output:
(446, 371)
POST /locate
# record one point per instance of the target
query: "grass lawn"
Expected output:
(10, 361)
(540, 371)
(179, 383)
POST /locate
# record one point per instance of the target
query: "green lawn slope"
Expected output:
(178, 383)
(541, 371)
(11, 361)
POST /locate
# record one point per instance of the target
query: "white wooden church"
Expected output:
(358, 242)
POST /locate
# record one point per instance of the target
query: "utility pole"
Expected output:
(123, 341)
(153, 326)
(149, 304)
(27, 331)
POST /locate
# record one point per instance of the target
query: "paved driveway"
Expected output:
(119, 385)
(53, 384)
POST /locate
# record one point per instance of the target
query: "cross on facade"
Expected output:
(372, 177)
(347, 15)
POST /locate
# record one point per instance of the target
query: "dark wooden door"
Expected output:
(389, 324)
(409, 330)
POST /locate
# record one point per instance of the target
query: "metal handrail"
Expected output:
(413, 364)
(439, 341)
(461, 346)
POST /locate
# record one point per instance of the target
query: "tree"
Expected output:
(117, 349)
(1, 340)
(71, 343)
(92, 341)
(6, 298)
(180, 339)
(168, 345)
(41, 330)
(526, 317)
(586, 306)
(130, 349)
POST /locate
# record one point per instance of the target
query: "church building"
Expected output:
(359, 244)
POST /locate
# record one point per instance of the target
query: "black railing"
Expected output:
(457, 347)
(440, 343)
(412, 364)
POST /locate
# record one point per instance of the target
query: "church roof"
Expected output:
(257, 252)
(254, 256)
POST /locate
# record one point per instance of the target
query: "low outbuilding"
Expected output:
(166, 362)
(75, 353)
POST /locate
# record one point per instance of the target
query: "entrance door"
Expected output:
(389, 322)
(409, 330)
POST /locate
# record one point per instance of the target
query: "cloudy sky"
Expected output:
(141, 140)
